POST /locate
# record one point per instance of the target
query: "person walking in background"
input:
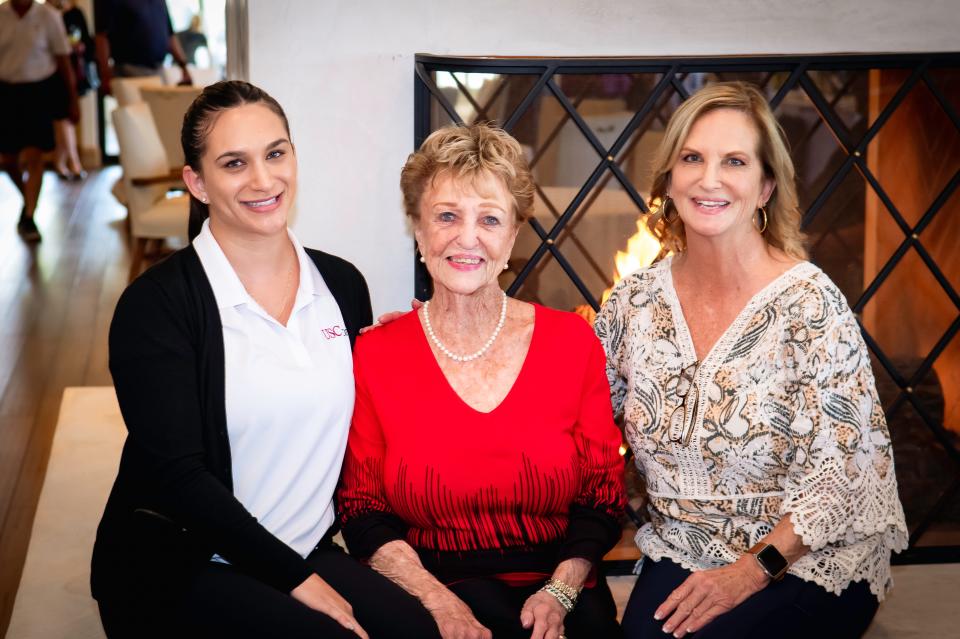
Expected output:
(67, 159)
(136, 35)
(36, 87)
(192, 39)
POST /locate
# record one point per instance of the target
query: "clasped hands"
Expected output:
(707, 594)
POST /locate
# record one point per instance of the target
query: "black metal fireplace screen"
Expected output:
(876, 141)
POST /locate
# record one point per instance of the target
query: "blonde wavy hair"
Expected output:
(472, 153)
(783, 208)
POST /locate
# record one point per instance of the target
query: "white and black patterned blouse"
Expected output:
(782, 416)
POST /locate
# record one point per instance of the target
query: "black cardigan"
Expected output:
(172, 505)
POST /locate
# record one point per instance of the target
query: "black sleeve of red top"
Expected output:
(365, 533)
(590, 534)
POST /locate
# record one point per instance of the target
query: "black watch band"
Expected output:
(771, 561)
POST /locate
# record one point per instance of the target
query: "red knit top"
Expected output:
(536, 480)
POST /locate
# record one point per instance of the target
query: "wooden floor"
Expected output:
(56, 301)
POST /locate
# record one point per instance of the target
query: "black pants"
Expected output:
(224, 602)
(497, 606)
(791, 607)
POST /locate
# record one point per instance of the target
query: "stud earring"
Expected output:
(506, 266)
(423, 260)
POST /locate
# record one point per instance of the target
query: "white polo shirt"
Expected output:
(289, 398)
(28, 44)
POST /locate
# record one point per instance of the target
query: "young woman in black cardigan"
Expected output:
(232, 366)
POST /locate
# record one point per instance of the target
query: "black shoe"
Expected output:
(27, 229)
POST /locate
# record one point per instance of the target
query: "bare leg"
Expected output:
(11, 164)
(68, 158)
(62, 152)
(73, 158)
(31, 160)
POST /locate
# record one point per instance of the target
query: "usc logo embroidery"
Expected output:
(334, 332)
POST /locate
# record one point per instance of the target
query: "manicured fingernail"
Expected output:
(667, 630)
(657, 616)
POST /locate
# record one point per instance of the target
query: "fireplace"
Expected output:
(876, 143)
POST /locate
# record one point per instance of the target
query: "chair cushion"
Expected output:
(167, 218)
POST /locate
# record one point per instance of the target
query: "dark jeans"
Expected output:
(224, 602)
(497, 606)
(791, 607)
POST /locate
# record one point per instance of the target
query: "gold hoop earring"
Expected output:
(666, 212)
(763, 214)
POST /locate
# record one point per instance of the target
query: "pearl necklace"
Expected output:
(465, 358)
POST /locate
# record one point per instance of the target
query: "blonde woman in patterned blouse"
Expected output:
(748, 400)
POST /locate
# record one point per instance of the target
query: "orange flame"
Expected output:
(642, 249)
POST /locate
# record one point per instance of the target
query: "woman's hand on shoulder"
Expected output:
(317, 594)
(386, 318)
(707, 594)
(543, 615)
(454, 618)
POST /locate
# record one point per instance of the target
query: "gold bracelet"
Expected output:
(570, 591)
(554, 592)
(562, 592)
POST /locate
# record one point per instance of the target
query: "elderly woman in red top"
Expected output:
(482, 471)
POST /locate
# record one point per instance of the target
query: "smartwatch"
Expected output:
(770, 560)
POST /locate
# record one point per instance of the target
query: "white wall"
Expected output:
(343, 69)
